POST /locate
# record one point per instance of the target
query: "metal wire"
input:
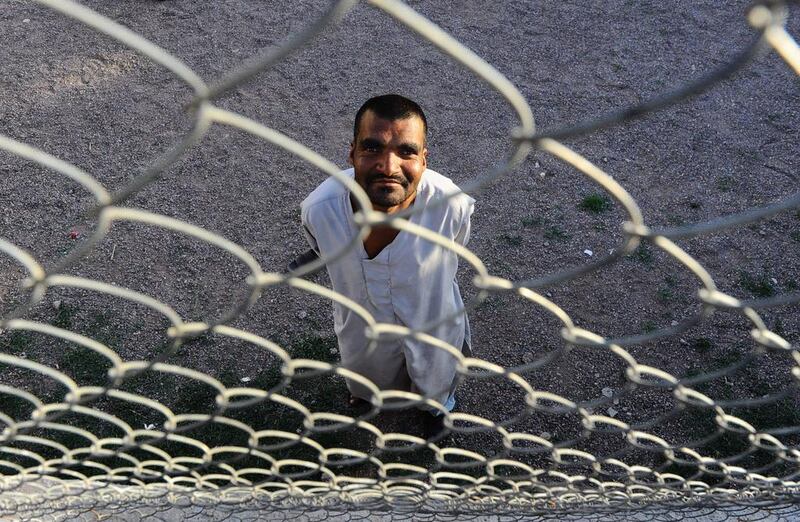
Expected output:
(572, 484)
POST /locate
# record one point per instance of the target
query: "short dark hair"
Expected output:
(390, 107)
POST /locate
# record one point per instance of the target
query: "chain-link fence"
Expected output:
(264, 450)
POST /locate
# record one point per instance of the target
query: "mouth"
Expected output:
(386, 182)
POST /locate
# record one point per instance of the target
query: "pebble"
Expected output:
(245, 379)
(57, 305)
(612, 412)
(607, 392)
(26, 20)
(588, 252)
(545, 435)
(674, 323)
(774, 281)
(616, 401)
(542, 174)
(527, 357)
(302, 314)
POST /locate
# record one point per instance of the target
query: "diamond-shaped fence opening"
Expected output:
(116, 400)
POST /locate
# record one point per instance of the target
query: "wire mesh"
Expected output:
(120, 469)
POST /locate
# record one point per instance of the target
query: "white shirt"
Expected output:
(411, 282)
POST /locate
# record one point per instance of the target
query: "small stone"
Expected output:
(607, 392)
(23, 355)
(612, 412)
(548, 294)
(545, 435)
(245, 379)
(542, 174)
(57, 305)
(335, 351)
(605, 159)
(684, 341)
(149, 426)
(302, 314)
(26, 20)
(774, 281)
(588, 252)
(674, 323)
(616, 401)
(528, 357)
(546, 243)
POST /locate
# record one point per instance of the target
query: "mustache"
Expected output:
(380, 177)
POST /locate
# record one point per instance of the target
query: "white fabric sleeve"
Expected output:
(462, 237)
(312, 241)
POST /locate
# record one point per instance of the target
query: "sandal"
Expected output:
(355, 402)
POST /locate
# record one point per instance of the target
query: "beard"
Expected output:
(387, 195)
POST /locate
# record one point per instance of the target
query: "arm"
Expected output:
(308, 230)
(462, 237)
(312, 241)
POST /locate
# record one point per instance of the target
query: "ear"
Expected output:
(352, 150)
(425, 157)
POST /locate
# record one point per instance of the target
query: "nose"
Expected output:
(388, 163)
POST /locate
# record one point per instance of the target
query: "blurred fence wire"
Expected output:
(134, 471)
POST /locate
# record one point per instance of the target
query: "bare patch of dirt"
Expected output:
(88, 100)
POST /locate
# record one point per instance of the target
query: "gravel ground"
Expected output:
(88, 100)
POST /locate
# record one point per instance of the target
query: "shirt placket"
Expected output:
(378, 282)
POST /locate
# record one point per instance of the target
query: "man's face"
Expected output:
(389, 157)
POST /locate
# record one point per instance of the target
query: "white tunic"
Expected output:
(411, 282)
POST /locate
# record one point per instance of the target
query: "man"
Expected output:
(398, 277)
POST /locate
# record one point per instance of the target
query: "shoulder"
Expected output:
(439, 186)
(325, 194)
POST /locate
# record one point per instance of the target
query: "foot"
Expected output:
(357, 402)
(433, 428)
(309, 256)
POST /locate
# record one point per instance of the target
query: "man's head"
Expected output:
(388, 151)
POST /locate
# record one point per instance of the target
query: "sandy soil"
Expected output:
(88, 100)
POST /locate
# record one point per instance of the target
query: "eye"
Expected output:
(407, 151)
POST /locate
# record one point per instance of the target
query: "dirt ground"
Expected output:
(90, 101)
